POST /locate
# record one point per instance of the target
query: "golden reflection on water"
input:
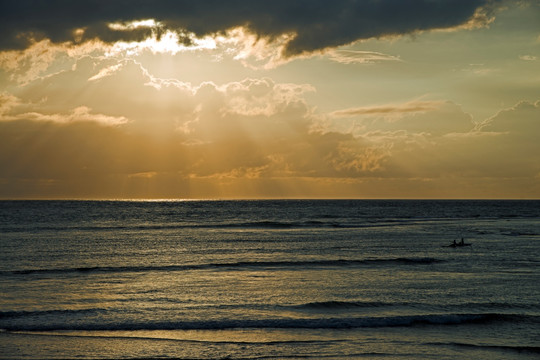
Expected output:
(213, 336)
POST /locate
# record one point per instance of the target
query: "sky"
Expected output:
(192, 99)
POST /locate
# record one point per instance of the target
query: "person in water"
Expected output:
(461, 242)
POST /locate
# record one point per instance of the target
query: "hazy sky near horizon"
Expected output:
(264, 99)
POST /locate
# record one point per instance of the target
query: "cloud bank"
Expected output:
(311, 25)
(141, 136)
(84, 112)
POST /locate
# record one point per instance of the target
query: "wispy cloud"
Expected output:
(360, 57)
(108, 71)
(9, 112)
(408, 107)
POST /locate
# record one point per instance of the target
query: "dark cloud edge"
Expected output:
(317, 24)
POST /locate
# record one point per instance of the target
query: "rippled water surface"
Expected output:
(269, 279)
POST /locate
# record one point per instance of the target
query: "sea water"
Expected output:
(269, 279)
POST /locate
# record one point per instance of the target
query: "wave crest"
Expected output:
(330, 305)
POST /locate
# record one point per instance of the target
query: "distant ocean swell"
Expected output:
(359, 223)
(313, 307)
(330, 305)
(54, 312)
(287, 323)
(344, 305)
(272, 225)
(231, 265)
(519, 349)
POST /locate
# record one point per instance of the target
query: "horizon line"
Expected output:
(264, 199)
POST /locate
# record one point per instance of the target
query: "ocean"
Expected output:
(270, 279)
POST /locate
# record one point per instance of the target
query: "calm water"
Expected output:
(269, 280)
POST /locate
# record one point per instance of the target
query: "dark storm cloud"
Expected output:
(318, 24)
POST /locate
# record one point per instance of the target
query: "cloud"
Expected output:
(44, 59)
(527, 57)
(27, 65)
(434, 117)
(503, 146)
(65, 135)
(10, 103)
(108, 71)
(310, 26)
(522, 120)
(81, 113)
(7, 103)
(252, 97)
(360, 57)
(409, 107)
(177, 133)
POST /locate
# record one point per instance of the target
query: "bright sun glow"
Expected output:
(240, 44)
(170, 43)
(131, 25)
(162, 41)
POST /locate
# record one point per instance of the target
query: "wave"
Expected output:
(231, 265)
(288, 323)
(322, 223)
(316, 306)
(519, 349)
(331, 305)
(501, 305)
(230, 225)
(351, 305)
(53, 312)
(520, 233)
